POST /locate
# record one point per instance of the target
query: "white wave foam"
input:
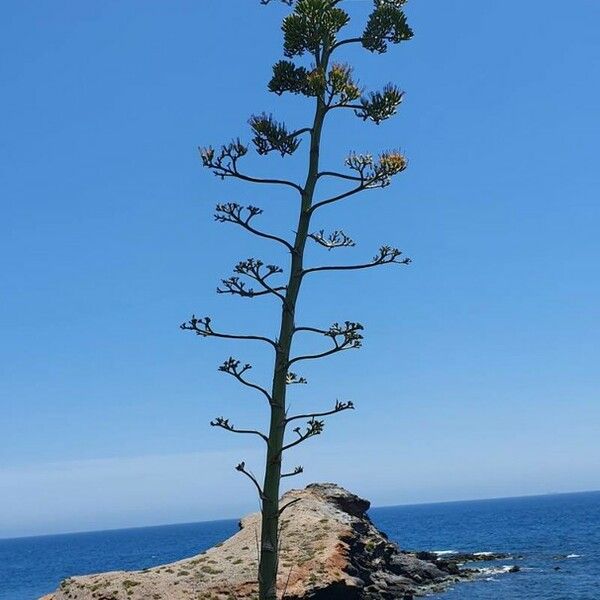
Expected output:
(491, 571)
(573, 555)
(444, 552)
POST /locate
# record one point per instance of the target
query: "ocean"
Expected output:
(545, 532)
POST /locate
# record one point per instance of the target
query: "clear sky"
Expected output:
(479, 375)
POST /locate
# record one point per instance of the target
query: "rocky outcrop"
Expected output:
(330, 550)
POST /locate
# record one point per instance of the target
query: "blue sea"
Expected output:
(545, 531)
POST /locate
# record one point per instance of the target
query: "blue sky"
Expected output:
(479, 374)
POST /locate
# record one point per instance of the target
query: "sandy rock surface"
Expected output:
(330, 550)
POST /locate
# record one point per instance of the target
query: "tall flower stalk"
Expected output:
(313, 42)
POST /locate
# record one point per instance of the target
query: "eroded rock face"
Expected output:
(330, 550)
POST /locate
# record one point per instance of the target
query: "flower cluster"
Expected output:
(379, 106)
(287, 77)
(389, 254)
(224, 162)
(387, 23)
(336, 239)
(373, 174)
(349, 333)
(271, 136)
(337, 84)
(294, 379)
(313, 427)
(231, 212)
(312, 25)
(341, 85)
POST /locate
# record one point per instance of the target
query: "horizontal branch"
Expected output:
(339, 175)
(371, 173)
(225, 424)
(339, 407)
(257, 270)
(356, 40)
(250, 179)
(232, 367)
(346, 105)
(301, 131)
(286, 506)
(234, 213)
(336, 239)
(313, 428)
(235, 287)
(225, 164)
(296, 471)
(311, 330)
(342, 196)
(344, 337)
(316, 356)
(386, 256)
(202, 327)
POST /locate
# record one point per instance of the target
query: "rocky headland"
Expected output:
(330, 550)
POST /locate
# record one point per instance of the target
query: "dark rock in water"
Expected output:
(409, 565)
(449, 566)
(330, 550)
(514, 569)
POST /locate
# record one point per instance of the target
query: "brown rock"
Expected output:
(330, 550)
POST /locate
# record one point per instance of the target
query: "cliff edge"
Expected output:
(330, 550)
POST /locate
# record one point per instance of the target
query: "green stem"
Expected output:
(267, 573)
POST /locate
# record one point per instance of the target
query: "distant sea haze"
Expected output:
(555, 539)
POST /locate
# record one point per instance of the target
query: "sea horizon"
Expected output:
(237, 518)
(552, 538)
